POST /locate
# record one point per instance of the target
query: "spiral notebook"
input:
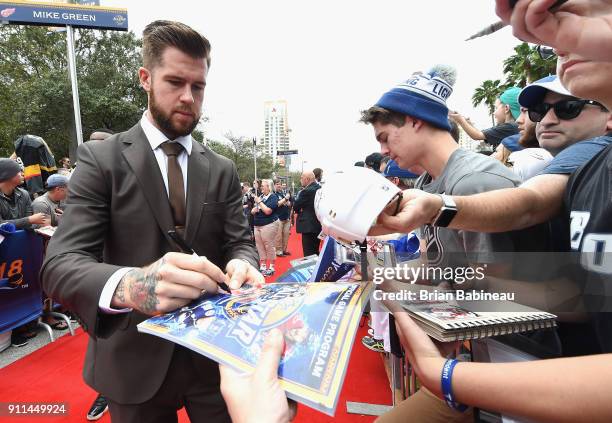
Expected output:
(446, 321)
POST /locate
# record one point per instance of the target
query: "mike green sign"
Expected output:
(59, 14)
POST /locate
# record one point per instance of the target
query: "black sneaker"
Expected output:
(373, 344)
(98, 408)
(18, 340)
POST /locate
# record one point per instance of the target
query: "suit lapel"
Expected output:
(141, 160)
(198, 183)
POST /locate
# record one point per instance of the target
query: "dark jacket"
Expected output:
(38, 162)
(118, 215)
(16, 209)
(307, 221)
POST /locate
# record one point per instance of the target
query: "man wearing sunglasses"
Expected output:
(562, 119)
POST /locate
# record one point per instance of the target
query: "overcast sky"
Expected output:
(329, 60)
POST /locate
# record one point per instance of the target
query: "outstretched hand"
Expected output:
(417, 208)
(258, 397)
(583, 27)
(422, 353)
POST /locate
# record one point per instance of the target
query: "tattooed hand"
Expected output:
(169, 283)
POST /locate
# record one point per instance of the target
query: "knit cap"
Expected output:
(423, 96)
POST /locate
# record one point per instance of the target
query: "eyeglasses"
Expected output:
(564, 109)
(546, 52)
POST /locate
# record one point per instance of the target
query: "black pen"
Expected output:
(499, 25)
(187, 249)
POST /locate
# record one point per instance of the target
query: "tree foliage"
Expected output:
(526, 66)
(523, 67)
(240, 151)
(35, 89)
(487, 93)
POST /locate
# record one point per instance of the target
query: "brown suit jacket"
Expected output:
(117, 215)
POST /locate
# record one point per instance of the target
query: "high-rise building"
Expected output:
(466, 142)
(276, 128)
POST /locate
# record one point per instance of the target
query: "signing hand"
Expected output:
(258, 397)
(240, 272)
(169, 283)
(582, 27)
(417, 208)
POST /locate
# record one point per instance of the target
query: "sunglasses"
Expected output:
(564, 109)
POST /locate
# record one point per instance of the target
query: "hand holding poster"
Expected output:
(318, 320)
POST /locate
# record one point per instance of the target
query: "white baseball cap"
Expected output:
(534, 93)
(349, 202)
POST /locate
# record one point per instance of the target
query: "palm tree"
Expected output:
(526, 66)
(487, 93)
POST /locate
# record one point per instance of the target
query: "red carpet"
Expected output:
(53, 374)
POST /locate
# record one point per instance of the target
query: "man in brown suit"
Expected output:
(111, 260)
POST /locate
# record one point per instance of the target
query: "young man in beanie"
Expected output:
(507, 110)
(51, 203)
(15, 203)
(411, 124)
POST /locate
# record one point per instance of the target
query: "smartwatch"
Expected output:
(447, 211)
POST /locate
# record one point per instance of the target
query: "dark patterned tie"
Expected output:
(176, 186)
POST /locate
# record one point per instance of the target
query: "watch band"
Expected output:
(447, 211)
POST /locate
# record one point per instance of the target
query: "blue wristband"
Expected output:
(447, 389)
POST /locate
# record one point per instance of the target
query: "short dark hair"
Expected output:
(373, 161)
(377, 114)
(159, 35)
(360, 164)
(317, 173)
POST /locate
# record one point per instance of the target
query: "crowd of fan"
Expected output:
(546, 190)
(270, 208)
(33, 191)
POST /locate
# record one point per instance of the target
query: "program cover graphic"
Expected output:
(318, 320)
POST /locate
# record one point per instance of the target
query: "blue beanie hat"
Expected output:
(510, 98)
(423, 96)
(393, 170)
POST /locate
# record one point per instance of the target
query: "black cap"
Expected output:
(373, 161)
(8, 169)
